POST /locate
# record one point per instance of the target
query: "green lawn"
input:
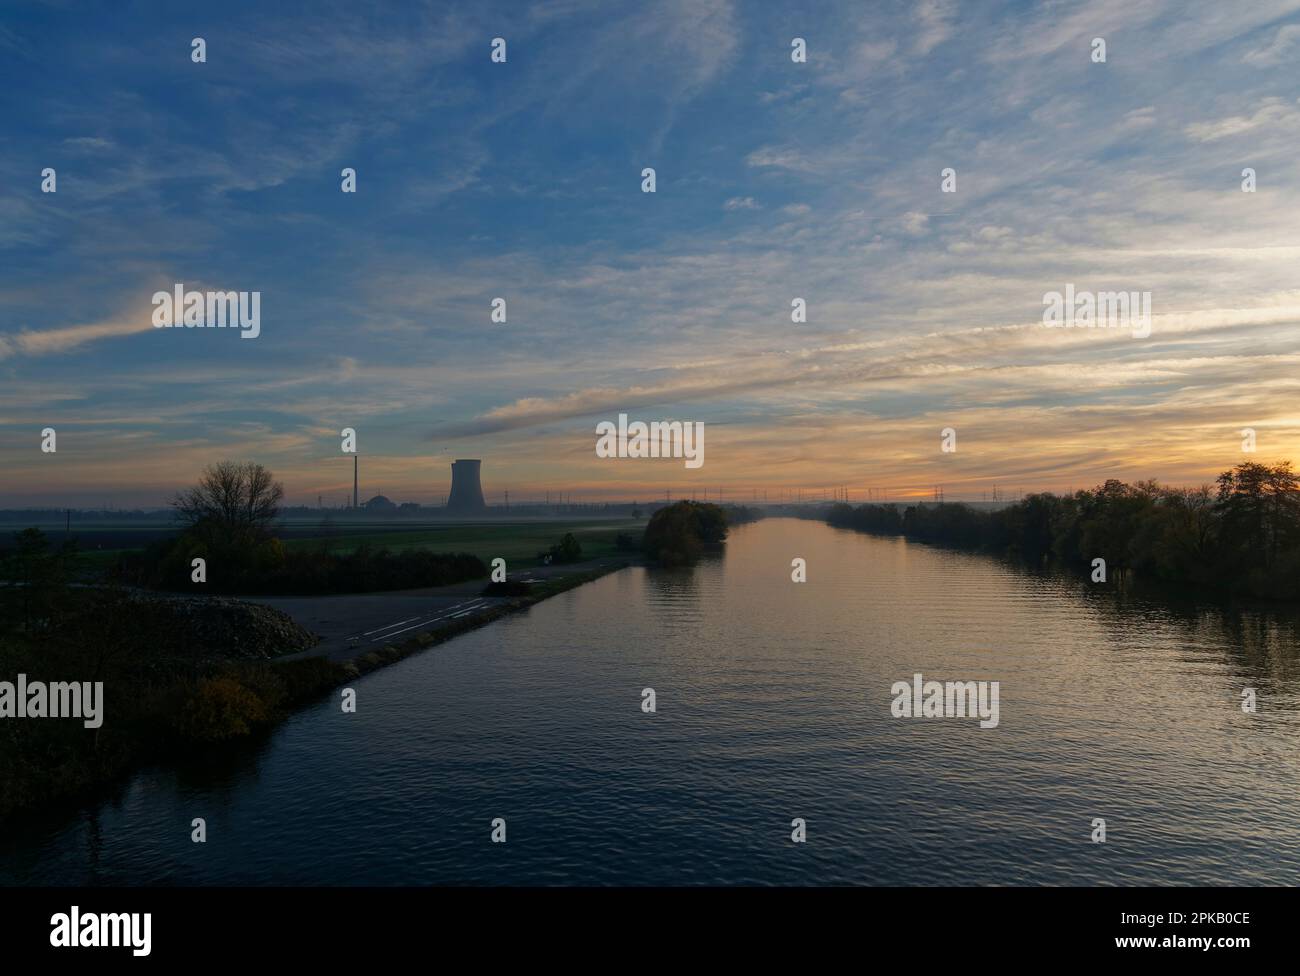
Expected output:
(517, 542)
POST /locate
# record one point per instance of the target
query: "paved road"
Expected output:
(352, 624)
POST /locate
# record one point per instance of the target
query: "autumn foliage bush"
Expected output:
(221, 708)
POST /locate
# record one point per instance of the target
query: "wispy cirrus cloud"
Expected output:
(1273, 113)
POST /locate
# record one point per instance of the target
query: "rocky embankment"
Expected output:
(211, 628)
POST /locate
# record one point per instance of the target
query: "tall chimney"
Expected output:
(355, 497)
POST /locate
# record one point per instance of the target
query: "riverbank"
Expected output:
(316, 672)
(1241, 537)
(452, 610)
(158, 710)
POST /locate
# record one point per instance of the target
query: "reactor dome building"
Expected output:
(466, 490)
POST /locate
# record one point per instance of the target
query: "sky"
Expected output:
(774, 180)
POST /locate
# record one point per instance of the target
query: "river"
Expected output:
(773, 703)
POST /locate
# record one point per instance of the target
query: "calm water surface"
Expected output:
(773, 703)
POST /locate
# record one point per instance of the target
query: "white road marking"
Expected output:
(385, 627)
(450, 612)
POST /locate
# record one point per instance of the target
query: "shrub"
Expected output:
(567, 550)
(266, 567)
(221, 708)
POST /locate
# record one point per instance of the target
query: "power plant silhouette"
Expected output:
(466, 491)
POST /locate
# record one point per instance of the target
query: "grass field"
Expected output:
(518, 542)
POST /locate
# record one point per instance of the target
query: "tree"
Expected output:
(677, 534)
(233, 502)
(1260, 508)
(1181, 543)
(1026, 527)
(1110, 517)
(39, 576)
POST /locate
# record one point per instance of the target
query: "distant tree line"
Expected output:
(740, 514)
(1241, 535)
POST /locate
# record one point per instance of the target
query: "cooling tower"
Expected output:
(466, 492)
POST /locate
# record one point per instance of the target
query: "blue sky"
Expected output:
(522, 180)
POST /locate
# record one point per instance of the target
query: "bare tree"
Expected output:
(236, 498)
